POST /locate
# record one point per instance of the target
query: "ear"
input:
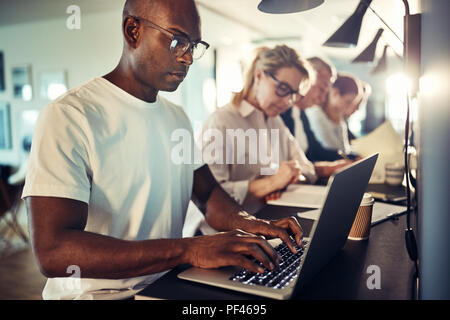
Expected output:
(131, 32)
(257, 76)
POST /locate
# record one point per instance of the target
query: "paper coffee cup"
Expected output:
(394, 174)
(361, 226)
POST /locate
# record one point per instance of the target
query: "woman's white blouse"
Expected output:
(268, 142)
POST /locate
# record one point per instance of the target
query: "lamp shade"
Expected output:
(382, 63)
(368, 54)
(348, 34)
(288, 6)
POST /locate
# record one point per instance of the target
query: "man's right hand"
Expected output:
(233, 248)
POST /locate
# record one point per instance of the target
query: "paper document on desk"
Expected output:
(384, 140)
(305, 196)
(381, 211)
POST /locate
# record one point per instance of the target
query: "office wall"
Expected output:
(49, 45)
(434, 178)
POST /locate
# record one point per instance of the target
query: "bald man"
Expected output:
(326, 161)
(106, 202)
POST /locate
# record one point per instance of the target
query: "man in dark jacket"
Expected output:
(297, 121)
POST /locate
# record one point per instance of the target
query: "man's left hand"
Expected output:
(277, 229)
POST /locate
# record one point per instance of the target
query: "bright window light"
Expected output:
(229, 81)
(397, 87)
(27, 92)
(30, 117)
(55, 90)
(431, 84)
(209, 95)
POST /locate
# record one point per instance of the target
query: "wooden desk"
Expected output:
(344, 277)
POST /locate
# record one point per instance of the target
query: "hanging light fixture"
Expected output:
(382, 63)
(348, 34)
(288, 6)
(368, 54)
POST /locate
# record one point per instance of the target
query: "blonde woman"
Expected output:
(276, 79)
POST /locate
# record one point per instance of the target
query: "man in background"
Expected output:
(297, 121)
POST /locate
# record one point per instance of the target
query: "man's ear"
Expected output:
(131, 32)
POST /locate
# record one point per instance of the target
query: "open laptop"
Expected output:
(328, 235)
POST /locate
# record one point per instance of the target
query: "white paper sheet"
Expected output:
(380, 212)
(305, 196)
(384, 140)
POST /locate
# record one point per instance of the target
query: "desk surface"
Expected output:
(344, 277)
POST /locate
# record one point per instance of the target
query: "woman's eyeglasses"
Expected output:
(180, 44)
(283, 89)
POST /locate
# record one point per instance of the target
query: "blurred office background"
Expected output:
(37, 47)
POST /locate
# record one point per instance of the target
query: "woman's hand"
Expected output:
(325, 169)
(288, 172)
(273, 196)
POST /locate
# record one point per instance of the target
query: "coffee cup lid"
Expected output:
(367, 200)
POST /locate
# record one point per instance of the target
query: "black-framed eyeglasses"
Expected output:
(283, 89)
(180, 44)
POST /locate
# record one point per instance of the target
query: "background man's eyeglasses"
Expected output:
(180, 44)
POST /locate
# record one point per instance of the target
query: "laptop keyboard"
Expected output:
(280, 276)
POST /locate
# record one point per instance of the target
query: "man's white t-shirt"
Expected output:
(102, 146)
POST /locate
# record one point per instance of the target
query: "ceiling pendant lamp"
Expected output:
(382, 63)
(287, 6)
(368, 54)
(348, 34)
